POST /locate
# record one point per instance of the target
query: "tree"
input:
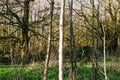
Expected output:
(49, 40)
(94, 73)
(113, 10)
(72, 43)
(61, 40)
(104, 51)
(25, 27)
(104, 41)
(15, 18)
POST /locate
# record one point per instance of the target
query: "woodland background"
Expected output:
(30, 39)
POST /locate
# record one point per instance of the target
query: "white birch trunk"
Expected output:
(104, 51)
(61, 41)
(49, 41)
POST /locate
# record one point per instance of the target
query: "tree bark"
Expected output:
(72, 43)
(61, 40)
(104, 46)
(25, 28)
(94, 71)
(49, 41)
(104, 51)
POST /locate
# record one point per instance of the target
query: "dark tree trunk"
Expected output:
(72, 43)
(94, 66)
(25, 28)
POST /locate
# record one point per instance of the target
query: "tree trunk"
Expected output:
(104, 53)
(72, 43)
(61, 40)
(104, 47)
(49, 41)
(94, 73)
(25, 28)
(97, 42)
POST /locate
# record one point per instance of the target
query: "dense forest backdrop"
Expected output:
(61, 33)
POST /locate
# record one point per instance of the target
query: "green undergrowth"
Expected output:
(35, 72)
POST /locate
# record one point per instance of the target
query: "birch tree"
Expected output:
(104, 41)
(49, 40)
(61, 40)
(104, 51)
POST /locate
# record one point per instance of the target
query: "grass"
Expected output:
(84, 72)
(22, 74)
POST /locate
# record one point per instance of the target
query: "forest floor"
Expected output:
(35, 71)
